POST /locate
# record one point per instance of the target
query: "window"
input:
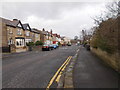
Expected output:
(28, 40)
(32, 34)
(36, 35)
(19, 32)
(27, 33)
(10, 41)
(19, 42)
(10, 31)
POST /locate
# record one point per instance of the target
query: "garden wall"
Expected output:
(112, 60)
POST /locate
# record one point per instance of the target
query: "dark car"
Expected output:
(69, 44)
(47, 47)
(88, 47)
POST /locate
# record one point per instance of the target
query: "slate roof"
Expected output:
(25, 26)
(55, 35)
(35, 30)
(13, 23)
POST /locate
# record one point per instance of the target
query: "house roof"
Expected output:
(58, 36)
(13, 23)
(55, 35)
(25, 26)
(35, 30)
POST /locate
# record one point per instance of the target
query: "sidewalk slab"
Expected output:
(91, 72)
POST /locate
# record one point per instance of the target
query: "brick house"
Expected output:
(50, 35)
(55, 38)
(13, 39)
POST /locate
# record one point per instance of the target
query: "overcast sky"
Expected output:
(64, 18)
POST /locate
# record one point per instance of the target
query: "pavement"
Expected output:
(33, 69)
(91, 72)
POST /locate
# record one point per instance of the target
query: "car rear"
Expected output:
(45, 47)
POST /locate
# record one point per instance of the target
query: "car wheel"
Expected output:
(48, 49)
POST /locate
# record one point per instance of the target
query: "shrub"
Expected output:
(59, 43)
(37, 43)
(102, 43)
(30, 44)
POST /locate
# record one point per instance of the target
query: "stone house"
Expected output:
(44, 36)
(13, 39)
(28, 33)
(35, 35)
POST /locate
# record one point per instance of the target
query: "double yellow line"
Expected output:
(59, 72)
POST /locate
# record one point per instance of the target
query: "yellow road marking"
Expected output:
(51, 81)
(58, 78)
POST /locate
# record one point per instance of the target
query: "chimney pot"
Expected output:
(15, 19)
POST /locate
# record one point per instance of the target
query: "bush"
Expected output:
(30, 44)
(37, 43)
(59, 43)
(102, 43)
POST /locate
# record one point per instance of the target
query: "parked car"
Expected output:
(47, 47)
(69, 44)
(55, 46)
(88, 47)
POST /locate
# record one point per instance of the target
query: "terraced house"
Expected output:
(28, 33)
(15, 35)
(35, 35)
(44, 35)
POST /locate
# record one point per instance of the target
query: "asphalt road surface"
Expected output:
(34, 70)
(91, 72)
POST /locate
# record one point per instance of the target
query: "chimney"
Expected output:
(51, 31)
(15, 19)
(43, 29)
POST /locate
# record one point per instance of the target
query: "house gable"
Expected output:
(19, 25)
(26, 27)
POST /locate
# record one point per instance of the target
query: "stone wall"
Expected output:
(112, 60)
(35, 48)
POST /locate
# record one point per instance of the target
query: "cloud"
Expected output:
(65, 18)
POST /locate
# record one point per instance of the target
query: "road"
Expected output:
(34, 70)
(91, 72)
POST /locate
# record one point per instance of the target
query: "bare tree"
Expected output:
(113, 9)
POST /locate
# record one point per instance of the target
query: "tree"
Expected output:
(112, 11)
